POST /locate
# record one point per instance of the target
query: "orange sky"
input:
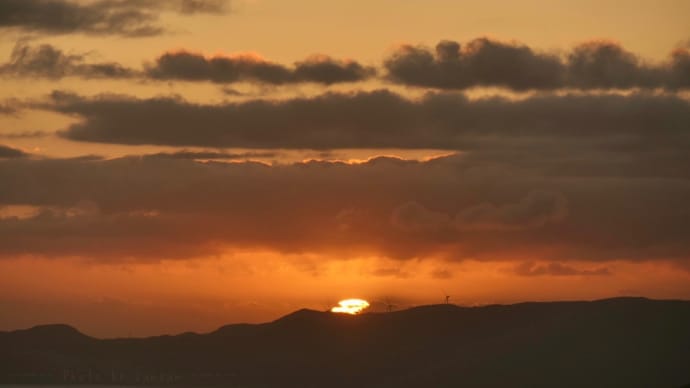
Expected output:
(501, 151)
(203, 294)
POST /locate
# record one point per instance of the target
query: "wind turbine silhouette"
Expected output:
(447, 297)
(389, 306)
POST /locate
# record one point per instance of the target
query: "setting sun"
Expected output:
(350, 306)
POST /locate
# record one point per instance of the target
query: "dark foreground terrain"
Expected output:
(624, 342)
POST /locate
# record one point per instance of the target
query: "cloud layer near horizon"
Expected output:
(458, 207)
(548, 178)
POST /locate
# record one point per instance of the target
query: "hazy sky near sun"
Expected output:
(174, 165)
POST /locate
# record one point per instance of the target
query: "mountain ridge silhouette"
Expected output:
(631, 342)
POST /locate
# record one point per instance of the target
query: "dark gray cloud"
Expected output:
(549, 178)
(535, 210)
(195, 67)
(47, 61)
(485, 62)
(557, 269)
(227, 69)
(154, 208)
(412, 216)
(482, 62)
(100, 17)
(641, 134)
(326, 70)
(9, 152)
(680, 67)
(607, 65)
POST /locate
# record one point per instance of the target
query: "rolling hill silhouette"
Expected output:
(622, 342)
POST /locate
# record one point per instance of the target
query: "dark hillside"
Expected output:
(627, 342)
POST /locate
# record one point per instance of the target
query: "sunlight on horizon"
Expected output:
(351, 306)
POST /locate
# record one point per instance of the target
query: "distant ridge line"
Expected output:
(311, 312)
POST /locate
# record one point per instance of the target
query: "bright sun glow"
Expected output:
(350, 306)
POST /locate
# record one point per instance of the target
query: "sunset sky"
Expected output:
(178, 165)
